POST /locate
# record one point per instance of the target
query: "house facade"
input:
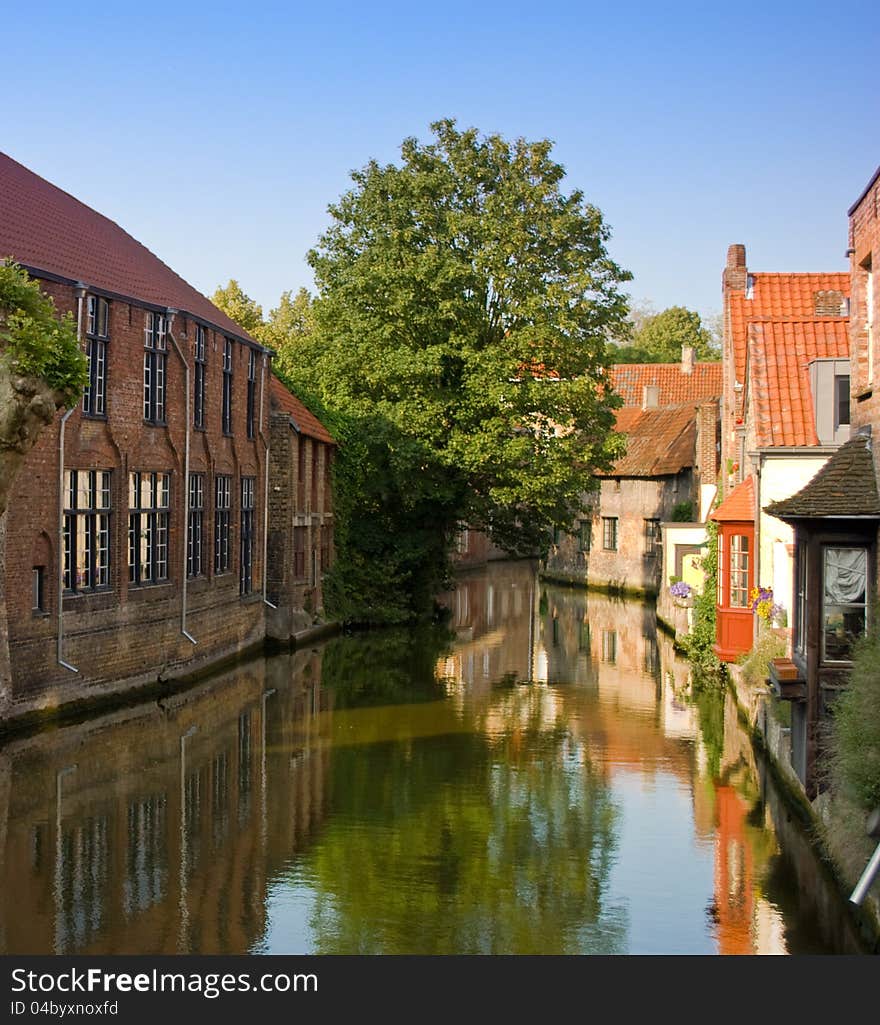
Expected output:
(835, 518)
(670, 419)
(136, 532)
(785, 410)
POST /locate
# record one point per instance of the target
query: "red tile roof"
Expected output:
(281, 398)
(777, 295)
(46, 229)
(659, 442)
(739, 506)
(779, 354)
(630, 380)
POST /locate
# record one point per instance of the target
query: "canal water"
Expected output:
(532, 776)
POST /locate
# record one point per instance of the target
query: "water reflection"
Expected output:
(530, 777)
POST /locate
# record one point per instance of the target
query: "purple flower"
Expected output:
(680, 590)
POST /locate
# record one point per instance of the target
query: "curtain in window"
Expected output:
(846, 572)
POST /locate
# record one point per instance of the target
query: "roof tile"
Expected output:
(46, 229)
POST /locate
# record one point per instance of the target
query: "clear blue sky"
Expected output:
(218, 133)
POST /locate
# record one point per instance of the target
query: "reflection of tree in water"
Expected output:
(497, 840)
(383, 667)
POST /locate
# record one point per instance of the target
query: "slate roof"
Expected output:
(739, 506)
(282, 399)
(630, 380)
(780, 396)
(46, 229)
(845, 487)
(659, 442)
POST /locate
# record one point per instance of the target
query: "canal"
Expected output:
(532, 776)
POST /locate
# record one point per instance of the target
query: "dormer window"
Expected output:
(830, 302)
(829, 384)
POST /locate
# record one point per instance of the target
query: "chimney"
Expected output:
(736, 272)
(650, 396)
(688, 359)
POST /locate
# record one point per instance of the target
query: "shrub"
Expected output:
(683, 512)
(33, 340)
(855, 728)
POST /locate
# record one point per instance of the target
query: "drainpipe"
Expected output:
(872, 828)
(759, 537)
(265, 490)
(170, 314)
(80, 290)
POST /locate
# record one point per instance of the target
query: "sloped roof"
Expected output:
(46, 229)
(780, 395)
(845, 487)
(777, 295)
(659, 443)
(739, 506)
(630, 380)
(282, 399)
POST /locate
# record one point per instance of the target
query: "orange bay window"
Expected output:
(734, 620)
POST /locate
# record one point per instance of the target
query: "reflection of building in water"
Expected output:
(158, 828)
(492, 616)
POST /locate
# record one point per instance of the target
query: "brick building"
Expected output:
(835, 521)
(785, 410)
(135, 536)
(670, 417)
(300, 546)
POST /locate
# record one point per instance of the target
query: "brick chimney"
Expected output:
(688, 359)
(650, 396)
(736, 271)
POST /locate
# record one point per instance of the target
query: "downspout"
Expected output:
(170, 313)
(265, 438)
(80, 289)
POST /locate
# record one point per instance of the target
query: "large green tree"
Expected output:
(464, 303)
(659, 337)
(235, 303)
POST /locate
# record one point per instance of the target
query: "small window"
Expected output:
(739, 571)
(251, 393)
(39, 589)
(97, 335)
(155, 355)
(148, 504)
(841, 401)
(227, 386)
(609, 533)
(800, 622)
(585, 535)
(653, 537)
(200, 377)
(844, 611)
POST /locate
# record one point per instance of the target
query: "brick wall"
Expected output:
(864, 241)
(301, 526)
(630, 501)
(132, 630)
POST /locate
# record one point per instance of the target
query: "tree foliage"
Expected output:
(34, 341)
(659, 337)
(464, 302)
(236, 304)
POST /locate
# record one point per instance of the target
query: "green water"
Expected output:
(530, 777)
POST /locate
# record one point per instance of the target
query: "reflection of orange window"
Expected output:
(734, 875)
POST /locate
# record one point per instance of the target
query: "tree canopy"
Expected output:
(464, 302)
(659, 337)
(240, 307)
